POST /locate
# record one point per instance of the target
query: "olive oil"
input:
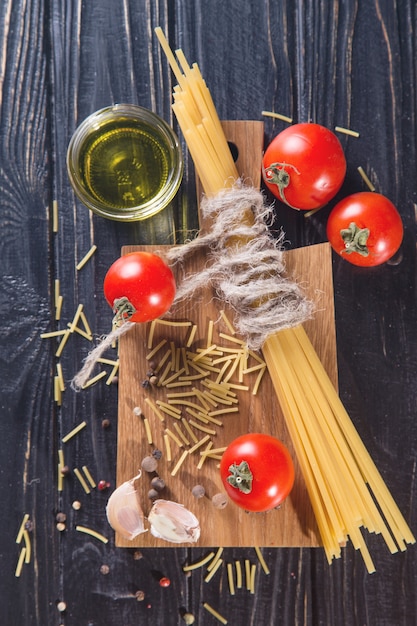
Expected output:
(125, 163)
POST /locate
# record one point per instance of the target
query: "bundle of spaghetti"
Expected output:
(344, 485)
(197, 116)
(346, 490)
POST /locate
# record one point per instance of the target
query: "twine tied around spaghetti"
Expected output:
(245, 267)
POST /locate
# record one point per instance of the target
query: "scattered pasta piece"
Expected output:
(278, 116)
(247, 574)
(189, 430)
(94, 380)
(62, 343)
(203, 429)
(215, 559)
(238, 567)
(172, 436)
(262, 560)
(197, 564)
(28, 546)
(53, 333)
(179, 463)
(230, 579)
(88, 476)
(55, 220)
(22, 526)
(155, 349)
(181, 435)
(203, 458)
(365, 178)
(74, 432)
(213, 571)
(215, 613)
(82, 480)
(155, 409)
(167, 447)
(58, 307)
(113, 373)
(252, 579)
(86, 257)
(346, 131)
(227, 322)
(20, 562)
(199, 444)
(92, 533)
(76, 317)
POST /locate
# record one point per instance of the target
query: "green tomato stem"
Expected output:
(355, 239)
(275, 174)
(123, 310)
(241, 477)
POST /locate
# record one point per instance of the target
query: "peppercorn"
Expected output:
(157, 454)
(105, 423)
(104, 569)
(152, 494)
(158, 483)
(149, 464)
(140, 595)
(61, 517)
(219, 500)
(137, 555)
(65, 470)
(198, 491)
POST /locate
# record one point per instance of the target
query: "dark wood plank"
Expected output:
(28, 423)
(350, 64)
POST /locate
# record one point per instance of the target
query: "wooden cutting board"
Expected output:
(293, 524)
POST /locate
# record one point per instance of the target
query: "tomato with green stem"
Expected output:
(139, 287)
(304, 166)
(257, 471)
(365, 228)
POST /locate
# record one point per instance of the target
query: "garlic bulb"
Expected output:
(124, 512)
(173, 522)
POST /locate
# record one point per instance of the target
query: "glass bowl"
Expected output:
(125, 163)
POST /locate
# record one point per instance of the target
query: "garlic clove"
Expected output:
(124, 512)
(173, 522)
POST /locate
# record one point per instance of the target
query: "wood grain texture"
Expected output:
(347, 63)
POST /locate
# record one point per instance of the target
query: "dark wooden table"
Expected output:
(348, 63)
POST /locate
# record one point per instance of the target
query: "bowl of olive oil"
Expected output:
(125, 163)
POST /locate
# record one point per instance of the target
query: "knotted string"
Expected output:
(245, 265)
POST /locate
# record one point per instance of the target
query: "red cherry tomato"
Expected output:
(257, 471)
(304, 166)
(139, 287)
(365, 229)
